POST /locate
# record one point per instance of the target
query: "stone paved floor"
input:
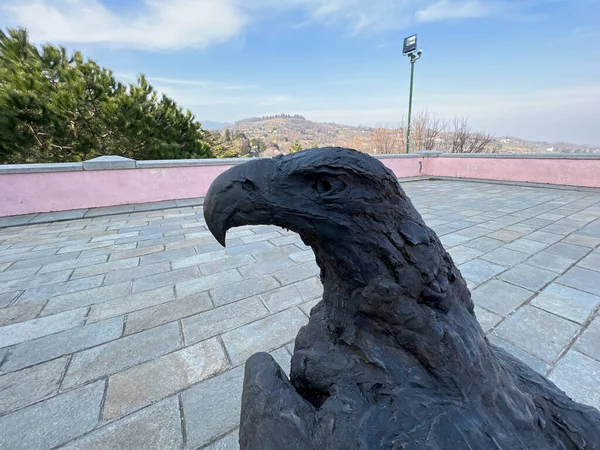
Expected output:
(130, 331)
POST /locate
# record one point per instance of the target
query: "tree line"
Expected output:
(59, 107)
(428, 132)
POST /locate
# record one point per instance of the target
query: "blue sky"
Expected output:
(528, 68)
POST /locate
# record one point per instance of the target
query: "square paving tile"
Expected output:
(537, 332)
(529, 277)
(582, 279)
(567, 302)
(550, 261)
(579, 377)
(478, 270)
(500, 297)
(588, 342)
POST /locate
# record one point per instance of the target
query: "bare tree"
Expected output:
(384, 140)
(426, 130)
(460, 135)
(480, 142)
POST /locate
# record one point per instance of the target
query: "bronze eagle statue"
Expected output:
(392, 356)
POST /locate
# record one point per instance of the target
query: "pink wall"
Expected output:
(25, 193)
(569, 172)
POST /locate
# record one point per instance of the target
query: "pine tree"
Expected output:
(296, 147)
(55, 108)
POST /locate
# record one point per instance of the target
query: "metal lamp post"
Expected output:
(410, 45)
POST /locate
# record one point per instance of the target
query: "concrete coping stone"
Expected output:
(119, 162)
(109, 163)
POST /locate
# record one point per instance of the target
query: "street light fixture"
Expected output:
(410, 45)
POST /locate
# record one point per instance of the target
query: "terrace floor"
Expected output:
(131, 330)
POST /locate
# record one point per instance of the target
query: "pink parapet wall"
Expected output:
(567, 171)
(26, 193)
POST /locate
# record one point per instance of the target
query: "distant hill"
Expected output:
(278, 133)
(208, 125)
(284, 130)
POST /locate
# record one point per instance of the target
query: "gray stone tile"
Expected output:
(265, 267)
(13, 221)
(202, 284)
(158, 427)
(283, 358)
(199, 259)
(527, 246)
(310, 289)
(32, 329)
(165, 279)
(286, 240)
(582, 240)
(45, 292)
(53, 422)
(504, 257)
(549, 261)
(591, 261)
(249, 248)
(538, 332)
(478, 270)
(126, 254)
(137, 272)
(588, 342)
(58, 216)
(121, 354)
(260, 237)
(505, 235)
(167, 312)
(500, 297)
(568, 250)
(453, 239)
(63, 343)
(19, 313)
(109, 210)
(73, 264)
(130, 303)
(6, 298)
(277, 252)
(6, 265)
(529, 277)
(232, 292)
(190, 201)
(85, 297)
(263, 335)
(297, 273)
(533, 362)
(10, 275)
(152, 206)
(223, 265)
(212, 408)
(282, 298)
(579, 377)
(168, 255)
(461, 254)
(220, 320)
(307, 306)
(103, 268)
(567, 302)
(20, 389)
(34, 281)
(486, 319)
(582, 279)
(228, 442)
(146, 383)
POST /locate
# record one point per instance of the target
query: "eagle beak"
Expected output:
(237, 197)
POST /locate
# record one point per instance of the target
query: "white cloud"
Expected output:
(157, 24)
(446, 9)
(177, 24)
